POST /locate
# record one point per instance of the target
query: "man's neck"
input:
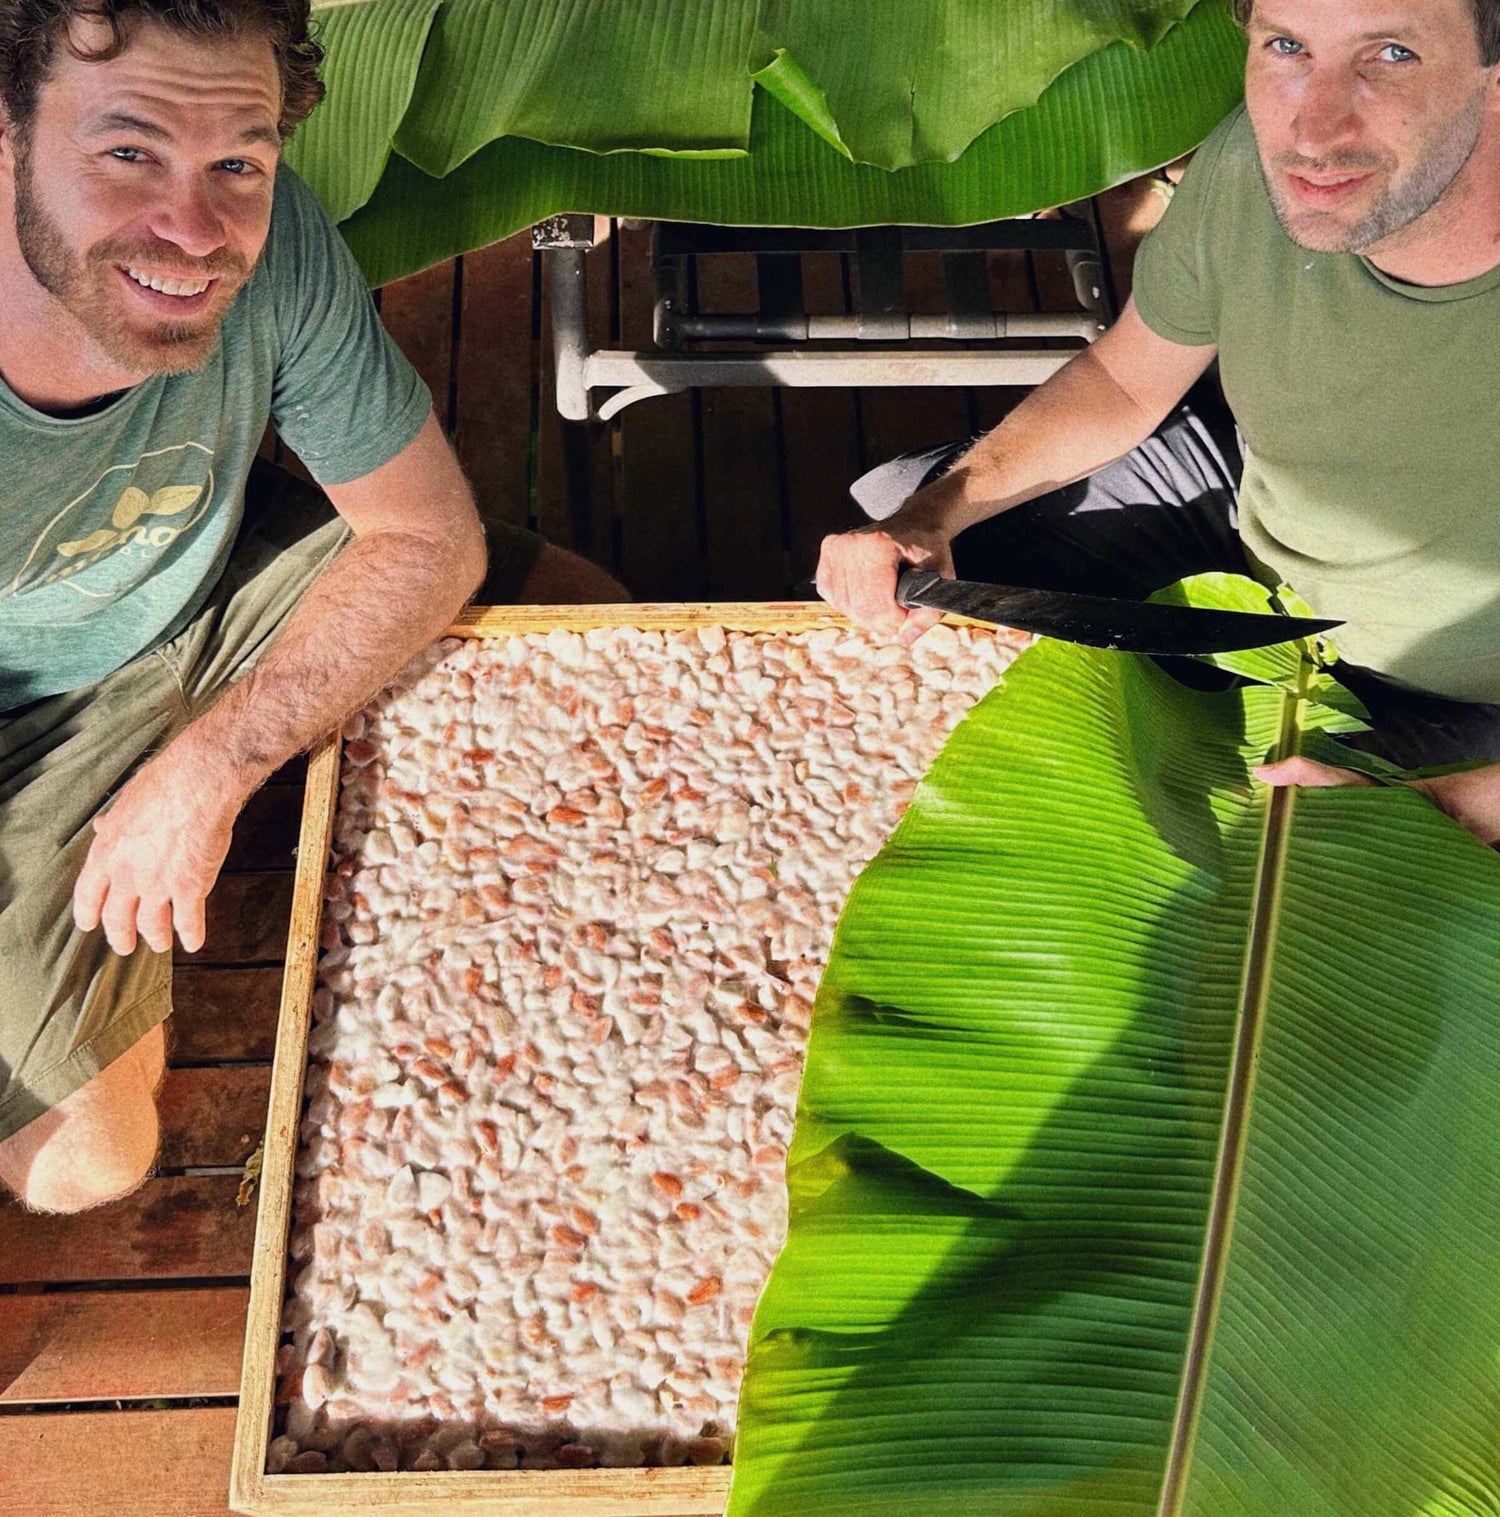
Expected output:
(1459, 237)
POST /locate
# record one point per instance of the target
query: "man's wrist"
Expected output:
(936, 510)
(210, 748)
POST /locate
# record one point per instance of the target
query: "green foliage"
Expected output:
(1011, 1132)
(947, 113)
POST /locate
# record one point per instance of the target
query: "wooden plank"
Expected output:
(178, 1227)
(686, 1492)
(121, 1345)
(742, 505)
(274, 1211)
(821, 448)
(1011, 290)
(212, 1116)
(266, 830)
(247, 916)
(897, 420)
(418, 313)
(661, 557)
(739, 616)
(493, 410)
(102, 1464)
(223, 1014)
(823, 284)
(1054, 284)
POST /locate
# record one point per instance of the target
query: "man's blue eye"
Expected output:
(115, 152)
(1284, 47)
(1406, 54)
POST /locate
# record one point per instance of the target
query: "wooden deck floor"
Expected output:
(120, 1330)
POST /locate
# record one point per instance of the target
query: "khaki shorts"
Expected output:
(68, 1004)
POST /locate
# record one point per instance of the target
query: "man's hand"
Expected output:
(156, 854)
(1471, 797)
(857, 575)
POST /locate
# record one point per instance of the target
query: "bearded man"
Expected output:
(178, 618)
(1335, 244)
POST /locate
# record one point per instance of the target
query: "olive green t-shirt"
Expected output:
(115, 525)
(1370, 411)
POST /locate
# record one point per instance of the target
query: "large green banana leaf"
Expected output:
(895, 83)
(1114, 114)
(1038, 1262)
(891, 82)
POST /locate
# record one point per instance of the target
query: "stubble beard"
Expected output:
(1401, 202)
(82, 285)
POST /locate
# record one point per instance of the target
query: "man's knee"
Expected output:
(95, 1146)
(561, 578)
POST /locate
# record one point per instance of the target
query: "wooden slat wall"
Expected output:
(739, 430)
(657, 479)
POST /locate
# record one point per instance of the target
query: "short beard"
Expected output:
(166, 347)
(1403, 201)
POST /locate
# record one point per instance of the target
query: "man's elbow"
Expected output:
(470, 561)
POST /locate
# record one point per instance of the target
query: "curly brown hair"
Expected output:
(1486, 24)
(31, 30)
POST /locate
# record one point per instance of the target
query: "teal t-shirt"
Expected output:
(116, 525)
(1368, 408)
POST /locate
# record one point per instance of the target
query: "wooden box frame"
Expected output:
(678, 1492)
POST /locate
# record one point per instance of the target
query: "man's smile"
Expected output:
(166, 293)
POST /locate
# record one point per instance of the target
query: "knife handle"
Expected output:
(910, 583)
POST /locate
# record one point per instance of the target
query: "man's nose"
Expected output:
(188, 218)
(1327, 116)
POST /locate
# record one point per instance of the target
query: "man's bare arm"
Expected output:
(1470, 796)
(417, 554)
(1104, 403)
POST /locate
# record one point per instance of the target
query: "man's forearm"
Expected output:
(380, 602)
(1069, 428)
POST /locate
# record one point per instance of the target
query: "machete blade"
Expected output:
(1101, 621)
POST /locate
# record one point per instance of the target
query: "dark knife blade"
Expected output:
(1101, 621)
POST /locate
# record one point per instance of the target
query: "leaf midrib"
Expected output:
(1255, 986)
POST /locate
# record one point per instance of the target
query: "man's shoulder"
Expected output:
(301, 259)
(1228, 157)
(296, 213)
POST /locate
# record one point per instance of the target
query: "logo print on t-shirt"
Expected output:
(142, 524)
(131, 506)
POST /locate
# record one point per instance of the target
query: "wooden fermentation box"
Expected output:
(653, 1492)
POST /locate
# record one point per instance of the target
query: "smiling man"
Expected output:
(1335, 244)
(178, 618)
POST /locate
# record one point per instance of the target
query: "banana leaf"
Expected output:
(890, 83)
(369, 71)
(1115, 114)
(925, 80)
(1146, 1158)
